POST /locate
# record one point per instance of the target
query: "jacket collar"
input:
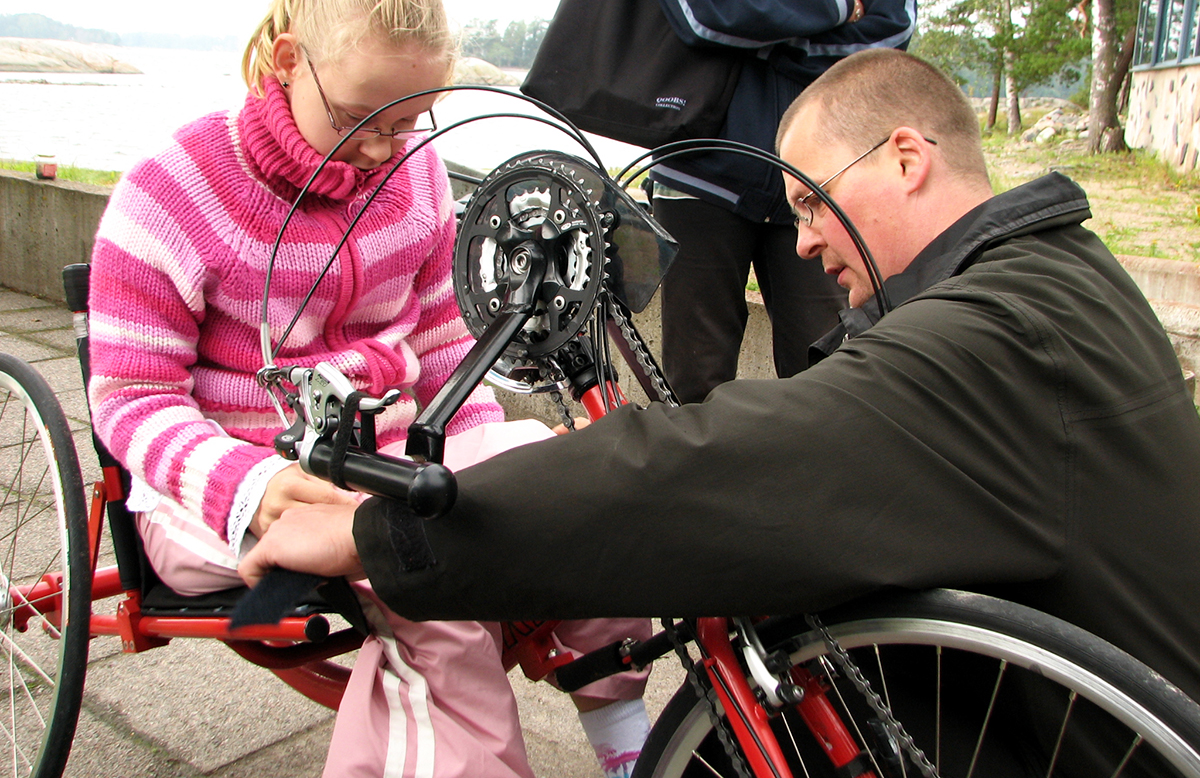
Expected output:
(1050, 201)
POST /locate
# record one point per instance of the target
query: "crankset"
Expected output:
(595, 240)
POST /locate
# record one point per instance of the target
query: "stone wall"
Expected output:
(45, 225)
(1164, 114)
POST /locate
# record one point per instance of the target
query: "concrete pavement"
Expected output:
(194, 708)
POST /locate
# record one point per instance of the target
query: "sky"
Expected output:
(228, 17)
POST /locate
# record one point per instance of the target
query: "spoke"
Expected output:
(12, 709)
(1062, 731)
(937, 725)
(28, 516)
(16, 749)
(704, 762)
(15, 650)
(1137, 741)
(795, 746)
(988, 716)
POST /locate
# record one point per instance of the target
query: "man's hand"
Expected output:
(580, 423)
(293, 488)
(315, 539)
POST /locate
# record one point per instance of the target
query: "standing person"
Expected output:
(728, 211)
(178, 276)
(1016, 425)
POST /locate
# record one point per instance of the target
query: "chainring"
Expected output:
(554, 200)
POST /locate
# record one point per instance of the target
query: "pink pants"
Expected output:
(425, 699)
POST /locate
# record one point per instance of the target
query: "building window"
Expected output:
(1168, 32)
(1172, 39)
(1195, 45)
(1147, 30)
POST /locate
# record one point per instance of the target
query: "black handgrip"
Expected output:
(429, 489)
(75, 284)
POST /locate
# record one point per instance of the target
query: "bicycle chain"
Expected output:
(563, 410)
(705, 692)
(894, 728)
(642, 352)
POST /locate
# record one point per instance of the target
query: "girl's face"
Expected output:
(349, 88)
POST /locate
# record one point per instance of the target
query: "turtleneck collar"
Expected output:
(273, 144)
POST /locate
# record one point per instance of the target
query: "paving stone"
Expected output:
(201, 702)
(25, 349)
(35, 319)
(63, 340)
(15, 301)
(300, 756)
(62, 372)
(102, 748)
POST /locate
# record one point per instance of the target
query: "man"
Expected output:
(1017, 425)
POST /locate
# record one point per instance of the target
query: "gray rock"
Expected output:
(34, 55)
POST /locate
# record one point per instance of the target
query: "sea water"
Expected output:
(109, 121)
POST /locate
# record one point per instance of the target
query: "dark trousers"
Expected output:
(704, 295)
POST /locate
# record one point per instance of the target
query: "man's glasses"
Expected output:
(365, 133)
(804, 211)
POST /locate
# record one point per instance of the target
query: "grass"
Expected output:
(1141, 206)
(67, 172)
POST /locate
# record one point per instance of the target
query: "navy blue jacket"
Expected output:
(793, 42)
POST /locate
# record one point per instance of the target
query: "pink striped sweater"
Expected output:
(177, 282)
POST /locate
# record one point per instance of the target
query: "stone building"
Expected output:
(1164, 105)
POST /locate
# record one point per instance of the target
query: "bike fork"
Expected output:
(748, 716)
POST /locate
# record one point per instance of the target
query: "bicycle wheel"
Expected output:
(43, 530)
(984, 687)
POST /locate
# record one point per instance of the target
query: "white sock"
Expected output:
(617, 732)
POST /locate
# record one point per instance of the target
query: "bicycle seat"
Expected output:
(334, 596)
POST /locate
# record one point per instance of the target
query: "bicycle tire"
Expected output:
(43, 529)
(1122, 698)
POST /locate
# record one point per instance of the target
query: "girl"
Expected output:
(177, 281)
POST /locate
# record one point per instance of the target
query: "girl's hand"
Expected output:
(316, 539)
(292, 488)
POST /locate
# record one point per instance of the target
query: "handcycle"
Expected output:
(552, 259)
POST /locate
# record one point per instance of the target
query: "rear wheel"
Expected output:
(984, 687)
(43, 532)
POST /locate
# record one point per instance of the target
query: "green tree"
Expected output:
(1017, 43)
(1114, 30)
(513, 48)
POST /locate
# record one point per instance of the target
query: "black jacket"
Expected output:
(1017, 426)
(788, 44)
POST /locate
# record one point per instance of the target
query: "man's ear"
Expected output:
(914, 154)
(286, 58)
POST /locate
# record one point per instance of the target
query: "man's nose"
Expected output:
(809, 242)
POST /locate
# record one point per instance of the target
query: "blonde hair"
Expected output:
(329, 28)
(867, 95)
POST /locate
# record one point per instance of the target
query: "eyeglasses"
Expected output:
(364, 133)
(804, 212)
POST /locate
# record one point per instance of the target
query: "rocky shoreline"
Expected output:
(35, 55)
